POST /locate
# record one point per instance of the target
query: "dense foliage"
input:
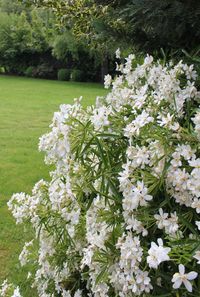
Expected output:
(32, 44)
(120, 215)
(153, 24)
(24, 39)
(168, 29)
(145, 24)
(92, 30)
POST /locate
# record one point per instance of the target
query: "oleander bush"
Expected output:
(120, 216)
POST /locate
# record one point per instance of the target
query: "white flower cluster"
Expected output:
(120, 215)
(8, 290)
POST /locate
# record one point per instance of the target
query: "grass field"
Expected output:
(26, 109)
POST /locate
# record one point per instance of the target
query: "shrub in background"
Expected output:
(77, 75)
(120, 216)
(64, 74)
(29, 71)
(44, 71)
(2, 70)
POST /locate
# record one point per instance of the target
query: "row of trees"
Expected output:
(31, 43)
(146, 25)
(84, 34)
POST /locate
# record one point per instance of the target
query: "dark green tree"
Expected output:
(170, 24)
(147, 25)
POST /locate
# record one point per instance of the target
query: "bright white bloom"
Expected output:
(196, 121)
(186, 151)
(137, 196)
(141, 120)
(118, 53)
(66, 293)
(4, 288)
(139, 156)
(195, 163)
(148, 60)
(198, 224)
(170, 224)
(131, 252)
(107, 81)
(157, 254)
(134, 224)
(161, 218)
(23, 257)
(100, 117)
(185, 278)
(176, 161)
(196, 205)
(197, 256)
(78, 293)
(16, 293)
(168, 122)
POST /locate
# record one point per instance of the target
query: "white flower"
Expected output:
(131, 252)
(167, 121)
(176, 161)
(118, 53)
(171, 224)
(148, 60)
(144, 281)
(157, 254)
(66, 293)
(138, 155)
(107, 81)
(140, 121)
(4, 288)
(196, 121)
(78, 293)
(134, 224)
(100, 117)
(182, 277)
(195, 163)
(198, 224)
(197, 256)
(186, 151)
(161, 218)
(196, 205)
(136, 196)
(23, 257)
(16, 293)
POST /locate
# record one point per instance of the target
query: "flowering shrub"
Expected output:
(120, 216)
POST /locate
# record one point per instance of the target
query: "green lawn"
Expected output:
(26, 110)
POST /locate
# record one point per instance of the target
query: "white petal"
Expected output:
(187, 285)
(198, 224)
(154, 245)
(192, 275)
(176, 276)
(160, 242)
(177, 283)
(181, 268)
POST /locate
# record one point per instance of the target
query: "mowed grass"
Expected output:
(26, 109)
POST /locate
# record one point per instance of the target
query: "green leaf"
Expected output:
(102, 276)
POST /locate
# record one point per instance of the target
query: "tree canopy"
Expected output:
(146, 25)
